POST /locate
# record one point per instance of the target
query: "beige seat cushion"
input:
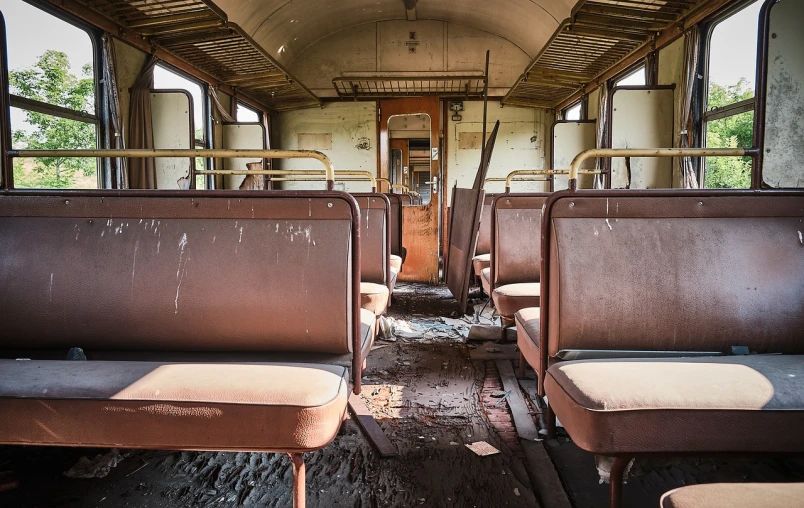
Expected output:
(511, 298)
(174, 406)
(480, 262)
(527, 334)
(713, 404)
(374, 297)
(736, 495)
(396, 263)
(485, 278)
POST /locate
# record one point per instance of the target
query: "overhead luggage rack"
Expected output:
(360, 85)
(201, 35)
(593, 40)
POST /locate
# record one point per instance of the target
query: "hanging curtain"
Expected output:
(115, 137)
(692, 40)
(651, 77)
(222, 113)
(142, 174)
(602, 116)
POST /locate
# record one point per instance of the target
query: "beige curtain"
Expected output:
(141, 171)
(692, 40)
(115, 137)
(602, 118)
(222, 113)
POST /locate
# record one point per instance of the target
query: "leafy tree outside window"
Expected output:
(51, 81)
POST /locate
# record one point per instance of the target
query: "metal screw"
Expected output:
(66, 201)
(700, 203)
(329, 205)
(572, 204)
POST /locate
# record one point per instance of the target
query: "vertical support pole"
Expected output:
(521, 365)
(5, 119)
(616, 481)
(299, 490)
(485, 102)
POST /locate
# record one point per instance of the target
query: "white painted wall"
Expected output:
(347, 122)
(512, 150)
(383, 47)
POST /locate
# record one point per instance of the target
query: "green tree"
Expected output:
(730, 132)
(50, 80)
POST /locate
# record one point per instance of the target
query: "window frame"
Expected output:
(614, 82)
(582, 113)
(100, 118)
(704, 115)
(256, 111)
(209, 180)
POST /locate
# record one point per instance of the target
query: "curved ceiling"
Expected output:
(285, 28)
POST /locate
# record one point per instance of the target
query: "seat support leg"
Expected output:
(616, 481)
(521, 366)
(299, 489)
(551, 423)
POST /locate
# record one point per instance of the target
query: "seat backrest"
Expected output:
(179, 272)
(395, 224)
(406, 199)
(693, 271)
(516, 238)
(484, 233)
(375, 242)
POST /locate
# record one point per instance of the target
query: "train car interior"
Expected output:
(397, 253)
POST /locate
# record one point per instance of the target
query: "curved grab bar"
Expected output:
(329, 169)
(652, 152)
(545, 172)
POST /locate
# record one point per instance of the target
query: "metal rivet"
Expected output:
(700, 203)
(773, 36)
(329, 205)
(66, 201)
(572, 204)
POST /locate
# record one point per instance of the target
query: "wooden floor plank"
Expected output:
(516, 402)
(370, 426)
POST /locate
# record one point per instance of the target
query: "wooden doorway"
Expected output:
(420, 223)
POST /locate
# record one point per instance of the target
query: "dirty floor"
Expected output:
(432, 392)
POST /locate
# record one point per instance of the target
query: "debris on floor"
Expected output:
(604, 465)
(98, 467)
(482, 448)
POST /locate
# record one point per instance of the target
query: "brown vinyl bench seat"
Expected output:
(208, 322)
(652, 289)
(681, 405)
(480, 263)
(194, 406)
(376, 270)
(515, 260)
(735, 495)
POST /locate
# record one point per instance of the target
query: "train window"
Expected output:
(246, 114)
(53, 91)
(573, 113)
(637, 77)
(165, 78)
(728, 119)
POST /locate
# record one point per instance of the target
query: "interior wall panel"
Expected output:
(784, 118)
(172, 120)
(240, 136)
(642, 117)
(570, 139)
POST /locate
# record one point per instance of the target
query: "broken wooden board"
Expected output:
(492, 332)
(516, 403)
(370, 426)
(545, 477)
(505, 352)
